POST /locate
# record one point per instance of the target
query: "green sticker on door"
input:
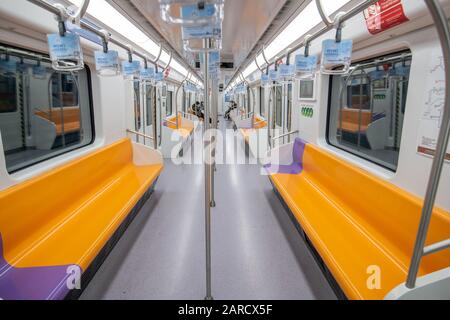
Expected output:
(307, 112)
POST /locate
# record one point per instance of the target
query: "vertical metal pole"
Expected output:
(207, 160)
(443, 29)
(341, 109)
(154, 118)
(269, 118)
(136, 109)
(291, 108)
(61, 108)
(214, 107)
(283, 111)
(274, 112)
(176, 105)
(160, 115)
(144, 107)
(360, 113)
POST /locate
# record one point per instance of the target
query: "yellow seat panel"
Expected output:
(71, 212)
(354, 229)
(185, 130)
(259, 123)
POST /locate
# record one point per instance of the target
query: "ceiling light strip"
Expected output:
(345, 16)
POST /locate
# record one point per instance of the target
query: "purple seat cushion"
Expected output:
(296, 167)
(34, 283)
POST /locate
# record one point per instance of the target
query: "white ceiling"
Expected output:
(244, 23)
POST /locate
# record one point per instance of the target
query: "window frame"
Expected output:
(329, 111)
(46, 58)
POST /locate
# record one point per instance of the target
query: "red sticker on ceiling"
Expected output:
(384, 14)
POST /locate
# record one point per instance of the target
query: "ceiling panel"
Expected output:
(245, 22)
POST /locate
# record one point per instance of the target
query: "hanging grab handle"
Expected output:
(79, 14)
(338, 24)
(169, 62)
(146, 62)
(75, 17)
(307, 44)
(159, 54)
(105, 39)
(257, 64)
(130, 52)
(264, 55)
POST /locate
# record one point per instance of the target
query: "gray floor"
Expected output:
(257, 252)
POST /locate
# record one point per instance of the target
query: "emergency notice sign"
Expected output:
(384, 14)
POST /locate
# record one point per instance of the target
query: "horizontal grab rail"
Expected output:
(436, 247)
(443, 30)
(140, 134)
(87, 26)
(170, 121)
(285, 135)
(247, 115)
(345, 17)
(187, 115)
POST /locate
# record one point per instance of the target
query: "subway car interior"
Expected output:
(224, 150)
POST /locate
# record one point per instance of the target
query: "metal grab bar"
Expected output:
(207, 156)
(247, 115)
(159, 54)
(169, 62)
(436, 247)
(170, 121)
(443, 29)
(325, 18)
(87, 26)
(269, 117)
(257, 64)
(75, 17)
(344, 88)
(140, 134)
(176, 94)
(286, 135)
(186, 115)
(344, 17)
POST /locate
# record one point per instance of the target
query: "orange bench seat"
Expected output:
(66, 217)
(351, 117)
(358, 230)
(184, 129)
(258, 124)
(69, 118)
